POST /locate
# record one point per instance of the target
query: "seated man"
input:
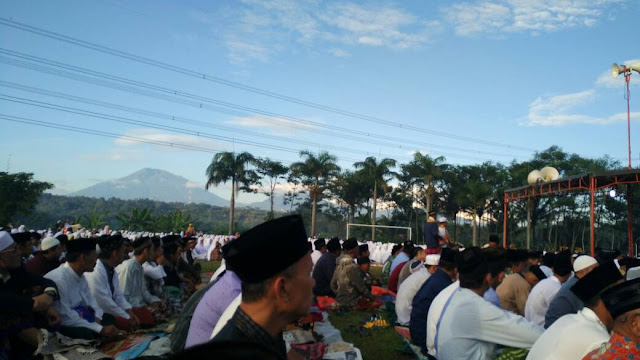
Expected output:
(154, 273)
(276, 291)
(22, 310)
(574, 335)
(324, 269)
(320, 247)
(23, 242)
(410, 287)
(81, 314)
(365, 265)
(623, 303)
(105, 287)
(497, 260)
(541, 296)
(386, 268)
(472, 328)
(419, 254)
(131, 278)
(47, 259)
(347, 283)
(515, 288)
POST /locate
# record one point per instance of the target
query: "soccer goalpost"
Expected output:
(349, 225)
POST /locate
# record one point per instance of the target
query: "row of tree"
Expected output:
(412, 189)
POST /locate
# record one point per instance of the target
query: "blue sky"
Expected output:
(505, 78)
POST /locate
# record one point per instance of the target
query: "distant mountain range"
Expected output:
(164, 186)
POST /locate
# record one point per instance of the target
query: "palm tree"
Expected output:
(315, 171)
(227, 166)
(423, 170)
(376, 174)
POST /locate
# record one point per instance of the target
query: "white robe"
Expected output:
(435, 310)
(131, 276)
(111, 303)
(407, 292)
(571, 337)
(539, 299)
(74, 291)
(471, 328)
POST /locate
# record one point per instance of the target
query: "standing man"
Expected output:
(430, 234)
(276, 290)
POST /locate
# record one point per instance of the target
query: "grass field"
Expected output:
(379, 344)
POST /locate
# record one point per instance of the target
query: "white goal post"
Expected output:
(378, 226)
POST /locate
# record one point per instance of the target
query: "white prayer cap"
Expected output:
(21, 228)
(583, 262)
(5, 240)
(432, 259)
(14, 231)
(48, 243)
(442, 219)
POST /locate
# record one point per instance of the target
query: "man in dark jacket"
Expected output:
(324, 269)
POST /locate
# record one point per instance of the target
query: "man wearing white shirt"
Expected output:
(153, 273)
(471, 328)
(435, 311)
(81, 314)
(104, 284)
(320, 247)
(543, 293)
(574, 335)
(411, 285)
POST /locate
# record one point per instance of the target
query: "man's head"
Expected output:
(396, 249)
(35, 238)
(517, 259)
(157, 249)
(473, 269)
(142, 248)
(431, 261)
(363, 250)
(408, 247)
(171, 252)
(9, 255)
(494, 241)
(364, 264)
(419, 253)
(320, 245)
(548, 259)
(534, 257)
(350, 247)
(82, 255)
(63, 241)
(623, 303)
(562, 266)
(333, 247)
(447, 262)
(191, 243)
(51, 248)
(23, 241)
(432, 215)
(533, 274)
(497, 263)
(589, 288)
(583, 265)
(278, 277)
(111, 249)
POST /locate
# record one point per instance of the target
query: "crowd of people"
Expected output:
(457, 303)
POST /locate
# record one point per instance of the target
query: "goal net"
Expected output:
(383, 233)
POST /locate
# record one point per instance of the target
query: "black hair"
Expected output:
(73, 256)
(170, 249)
(446, 265)
(415, 251)
(474, 279)
(334, 245)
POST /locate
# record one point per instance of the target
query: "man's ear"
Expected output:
(279, 287)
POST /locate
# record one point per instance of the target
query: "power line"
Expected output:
(219, 80)
(210, 125)
(170, 95)
(148, 124)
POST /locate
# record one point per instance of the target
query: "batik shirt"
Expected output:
(618, 347)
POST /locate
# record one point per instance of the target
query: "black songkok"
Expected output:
(471, 260)
(596, 281)
(448, 255)
(535, 269)
(81, 245)
(21, 238)
(267, 249)
(333, 245)
(319, 243)
(622, 298)
(141, 243)
(363, 260)
(349, 244)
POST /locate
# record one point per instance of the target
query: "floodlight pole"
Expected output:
(627, 79)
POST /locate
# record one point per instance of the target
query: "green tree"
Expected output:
(350, 188)
(227, 166)
(93, 220)
(376, 174)
(136, 219)
(315, 172)
(19, 194)
(423, 171)
(270, 172)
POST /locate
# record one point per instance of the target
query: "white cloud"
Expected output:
(339, 53)
(515, 16)
(116, 156)
(608, 81)
(274, 124)
(558, 110)
(138, 137)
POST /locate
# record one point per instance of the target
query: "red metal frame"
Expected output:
(586, 182)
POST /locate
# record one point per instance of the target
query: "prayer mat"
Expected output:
(380, 291)
(404, 332)
(311, 351)
(415, 350)
(512, 354)
(130, 348)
